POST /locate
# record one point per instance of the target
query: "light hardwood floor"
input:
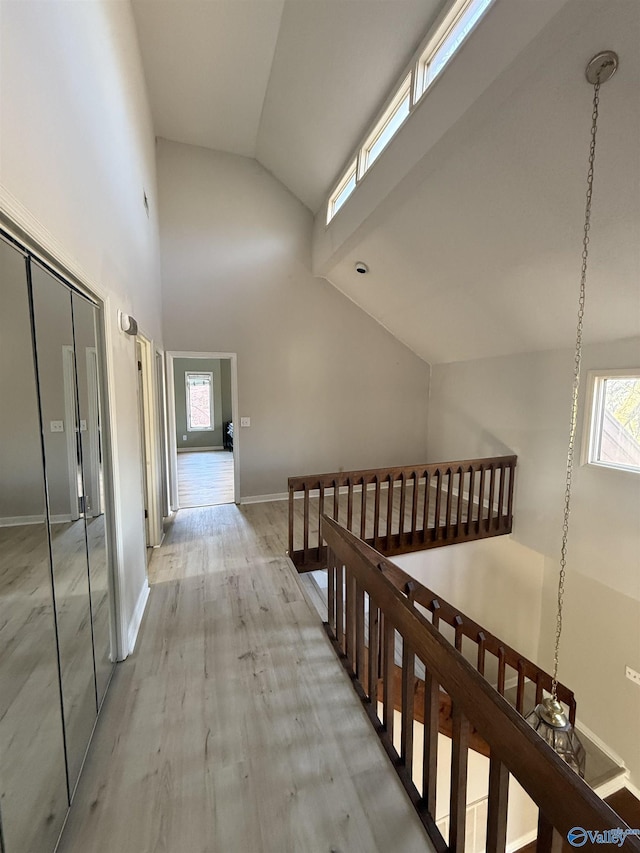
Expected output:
(233, 728)
(205, 478)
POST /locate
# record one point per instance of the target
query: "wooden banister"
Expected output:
(426, 506)
(563, 799)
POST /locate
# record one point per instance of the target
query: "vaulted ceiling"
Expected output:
(293, 83)
(474, 245)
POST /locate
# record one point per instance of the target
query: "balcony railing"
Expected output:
(398, 510)
(359, 584)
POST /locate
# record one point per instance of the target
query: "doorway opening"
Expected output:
(202, 403)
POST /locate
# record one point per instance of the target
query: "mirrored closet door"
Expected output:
(55, 592)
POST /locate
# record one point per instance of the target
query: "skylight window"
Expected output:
(344, 189)
(436, 51)
(388, 126)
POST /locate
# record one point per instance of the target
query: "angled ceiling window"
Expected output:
(199, 388)
(342, 192)
(455, 28)
(387, 126)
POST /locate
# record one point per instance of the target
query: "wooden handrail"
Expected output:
(425, 506)
(357, 573)
(486, 642)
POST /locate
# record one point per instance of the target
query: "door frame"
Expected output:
(171, 416)
(151, 449)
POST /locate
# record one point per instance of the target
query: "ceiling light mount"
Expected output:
(602, 67)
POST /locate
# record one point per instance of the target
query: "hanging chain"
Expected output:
(576, 387)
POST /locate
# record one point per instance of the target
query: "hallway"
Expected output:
(232, 728)
(205, 478)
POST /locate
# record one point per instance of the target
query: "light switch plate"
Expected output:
(83, 426)
(245, 422)
(57, 426)
(632, 675)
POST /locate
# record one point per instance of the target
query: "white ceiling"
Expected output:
(483, 258)
(293, 83)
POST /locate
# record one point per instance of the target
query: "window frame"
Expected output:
(389, 113)
(209, 374)
(351, 172)
(594, 417)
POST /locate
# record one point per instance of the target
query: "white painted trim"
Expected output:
(70, 426)
(21, 520)
(93, 430)
(200, 449)
(602, 746)
(136, 618)
(613, 785)
(525, 839)
(151, 438)
(261, 499)
(170, 355)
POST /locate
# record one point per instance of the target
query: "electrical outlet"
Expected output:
(632, 675)
(245, 422)
(57, 426)
(184, 437)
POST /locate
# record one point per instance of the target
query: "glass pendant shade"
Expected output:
(549, 720)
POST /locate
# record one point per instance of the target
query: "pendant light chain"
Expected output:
(576, 387)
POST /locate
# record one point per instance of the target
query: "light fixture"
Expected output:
(361, 268)
(548, 718)
(127, 323)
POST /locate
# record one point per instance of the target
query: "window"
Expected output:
(614, 419)
(342, 192)
(446, 42)
(199, 401)
(388, 126)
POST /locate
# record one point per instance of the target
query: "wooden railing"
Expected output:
(358, 584)
(398, 510)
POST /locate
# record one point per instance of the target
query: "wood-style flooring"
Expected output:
(233, 728)
(205, 478)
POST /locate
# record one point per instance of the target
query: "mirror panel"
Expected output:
(33, 784)
(85, 316)
(57, 384)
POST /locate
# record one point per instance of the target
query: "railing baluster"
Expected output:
(510, 494)
(459, 761)
(336, 500)
(457, 627)
(349, 503)
(305, 545)
(408, 711)
(460, 497)
(436, 520)
(414, 506)
(359, 607)
(331, 591)
(549, 840)
(389, 511)
(291, 521)
(340, 606)
(498, 803)
(481, 652)
(520, 690)
(403, 503)
(363, 510)
(492, 487)
(425, 512)
(501, 670)
(470, 501)
(387, 682)
(374, 651)
(480, 500)
(431, 719)
(376, 515)
(449, 502)
(500, 518)
(320, 514)
(350, 617)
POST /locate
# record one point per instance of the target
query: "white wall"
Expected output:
(76, 155)
(520, 404)
(325, 386)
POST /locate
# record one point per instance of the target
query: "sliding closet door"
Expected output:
(85, 317)
(33, 785)
(57, 384)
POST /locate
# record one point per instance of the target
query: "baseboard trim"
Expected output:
(199, 449)
(263, 499)
(23, 520)
(136, 618)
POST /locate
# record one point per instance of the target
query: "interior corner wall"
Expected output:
(520, 404)
(77, 155)
(325, 386)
